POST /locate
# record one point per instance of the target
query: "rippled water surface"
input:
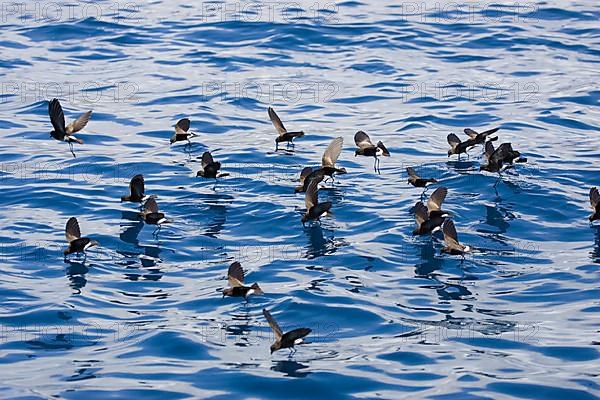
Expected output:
(142, 315)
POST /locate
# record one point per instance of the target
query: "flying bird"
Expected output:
(453, 246)
(210, 167)
(330, 157)
(235, 276)
(496, 158)
(458, 147)
(136, 190)
(182, 131)
(314, 209)
(307, 175)
(426, 223)
(367, 148)
(416, 180)
(284, 135)
(430, 218)
(62, 132)
(285, 340)
(77, 244)
(595, 203)
(152, 216)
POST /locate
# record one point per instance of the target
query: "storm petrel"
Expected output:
(307, 175)
(284, 135)
(235, 276)
(416, 180)
(62, 132)
(595, 203)
(285, 340)
(430, 218)
(210, 167)
(497, 157)
(453, 246)
(77, 244)
(314, 209)
(458, 147)
(152, 216)
(136, 190)
(367, 148)
(330, 157)
(427, 223)
(182, 131)
(481, 138)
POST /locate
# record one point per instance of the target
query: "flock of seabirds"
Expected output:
(429, 216)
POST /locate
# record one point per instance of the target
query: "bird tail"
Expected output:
(257, 289)
(383, 149)
(74, 139)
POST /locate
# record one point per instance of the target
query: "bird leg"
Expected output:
(71, 147)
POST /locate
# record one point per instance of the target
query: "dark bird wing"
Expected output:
(151, 206)
(450, 235)
(383, 149)
(362, 140)
(412, 173)
(182, 126)
(594, 198)
(501, 154)
(277, 122)
(79, 123)
(57, 117)
(296, 334)
(332, 152)
(306, 171)
(437, 198)
(472, 134)
(490, 131)
(312, 196)
(235, 274)
(453, 140)
(420, 213)
(317, 175)
(136, 186)
(273, 324)
(72, 231)
(489, 150)
(207, 159)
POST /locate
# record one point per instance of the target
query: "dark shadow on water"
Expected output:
(318, 243)
(497, 216)
(291, 368)
(509, 182)
(595, 254)
(429, 262)
(464, 166)
(76, 271)
(239, 329)
(218, 214)
(130, 234)
(454, 291)
(148, 256)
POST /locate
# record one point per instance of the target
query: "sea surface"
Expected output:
(142, 315)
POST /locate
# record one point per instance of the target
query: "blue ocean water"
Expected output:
(142, 315)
